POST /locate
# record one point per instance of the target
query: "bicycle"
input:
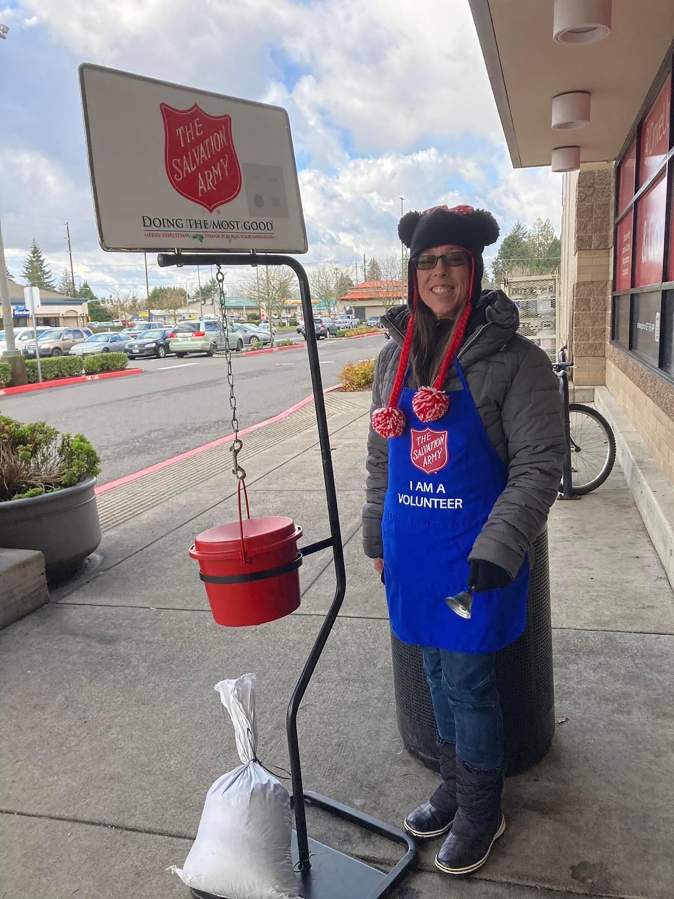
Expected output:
(589, 439)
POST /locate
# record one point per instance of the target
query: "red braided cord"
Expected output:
(402, 364)
(457, 340)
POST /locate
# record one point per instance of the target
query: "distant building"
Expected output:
(373, 297)
(56, 309)
(536, 298)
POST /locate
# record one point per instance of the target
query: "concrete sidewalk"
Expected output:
(112, 732)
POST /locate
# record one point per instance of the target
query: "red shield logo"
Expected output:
(429, 450)
(199, 155)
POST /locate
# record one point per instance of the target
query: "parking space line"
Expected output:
(182, 365)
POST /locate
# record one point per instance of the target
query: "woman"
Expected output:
(464, 460)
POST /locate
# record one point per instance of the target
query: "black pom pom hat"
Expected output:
(471, 230)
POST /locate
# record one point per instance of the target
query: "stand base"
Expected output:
(332, 874)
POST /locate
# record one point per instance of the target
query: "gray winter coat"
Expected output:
(517, 395)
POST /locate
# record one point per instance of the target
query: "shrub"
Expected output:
(362, 329)
(5, 374)
(105, 362)
(357, 375)
(284, 343)
(342, 332)
(36, 459)
(54, 367)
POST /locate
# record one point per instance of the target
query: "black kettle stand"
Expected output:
(325, 872)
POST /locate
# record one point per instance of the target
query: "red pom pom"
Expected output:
(430, 404)
(389, 421)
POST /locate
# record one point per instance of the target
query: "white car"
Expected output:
(21, 335)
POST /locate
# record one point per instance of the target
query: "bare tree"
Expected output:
(323, 283)
(174, 298)
(271, 288)
(124, 304)
(394, 287)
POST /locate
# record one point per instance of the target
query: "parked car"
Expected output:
(252, 333)
(21, 337)
(323, 327)
(345, 322)
(373, 321)
(56, 341)
(199, 337)
(107, 342)
(150, 343)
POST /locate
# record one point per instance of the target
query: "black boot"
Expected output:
(477, 824)
(434, 818)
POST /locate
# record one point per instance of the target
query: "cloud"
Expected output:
(386, 99)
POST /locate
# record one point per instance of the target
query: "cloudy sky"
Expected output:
(387, 98)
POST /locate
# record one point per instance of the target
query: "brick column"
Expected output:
(591, 294)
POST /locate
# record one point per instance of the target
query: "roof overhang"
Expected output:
(527, 68)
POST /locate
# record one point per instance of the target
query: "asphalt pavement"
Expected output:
(178, 404)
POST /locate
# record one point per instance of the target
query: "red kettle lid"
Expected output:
(259, 534)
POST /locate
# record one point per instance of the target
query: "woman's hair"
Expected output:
(429, 345)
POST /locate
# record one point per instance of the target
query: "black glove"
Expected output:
(486, 576)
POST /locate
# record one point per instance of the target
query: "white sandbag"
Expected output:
(242, 849)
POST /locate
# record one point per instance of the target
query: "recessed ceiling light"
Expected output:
(581, 21)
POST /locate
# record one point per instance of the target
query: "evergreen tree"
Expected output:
(36, 272)
(66, 285)
(343, 283)
(373, 271)
(86, 293)
(514, 252)
(9, 274)
(544, 247)
(97, 313)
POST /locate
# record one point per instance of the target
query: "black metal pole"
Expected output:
(179, 259)
(567, 475)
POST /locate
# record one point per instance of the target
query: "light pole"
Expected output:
(402, 258)
(11, 354)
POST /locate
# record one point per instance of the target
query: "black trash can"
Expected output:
(524, 678)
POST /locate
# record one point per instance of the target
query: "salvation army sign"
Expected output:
(176, 168)
(200, 156)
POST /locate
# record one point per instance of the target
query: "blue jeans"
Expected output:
(466, 704)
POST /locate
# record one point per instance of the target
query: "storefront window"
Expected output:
(626, 173)
(643, 315)
(621, 321)
(650, 242)
(655, 135)
(646, 325)
(668, 333)
(623, 249)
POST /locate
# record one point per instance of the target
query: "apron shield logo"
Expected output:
(199, 156)
(429, 451)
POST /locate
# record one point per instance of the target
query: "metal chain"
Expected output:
(237, 443)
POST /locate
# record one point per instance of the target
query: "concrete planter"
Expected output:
(63, 526)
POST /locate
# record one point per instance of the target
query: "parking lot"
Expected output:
(179, 404)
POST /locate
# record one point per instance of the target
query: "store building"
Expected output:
(372, 298)
(586, 86)
(56, 309)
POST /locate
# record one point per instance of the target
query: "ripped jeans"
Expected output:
(466, 704)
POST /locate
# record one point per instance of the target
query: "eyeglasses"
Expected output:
(429, 261)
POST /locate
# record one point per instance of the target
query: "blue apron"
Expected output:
(444, 478)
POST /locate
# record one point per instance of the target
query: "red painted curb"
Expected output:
(200, 449)
(65, 382)
(275, 349)
(301, 346)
